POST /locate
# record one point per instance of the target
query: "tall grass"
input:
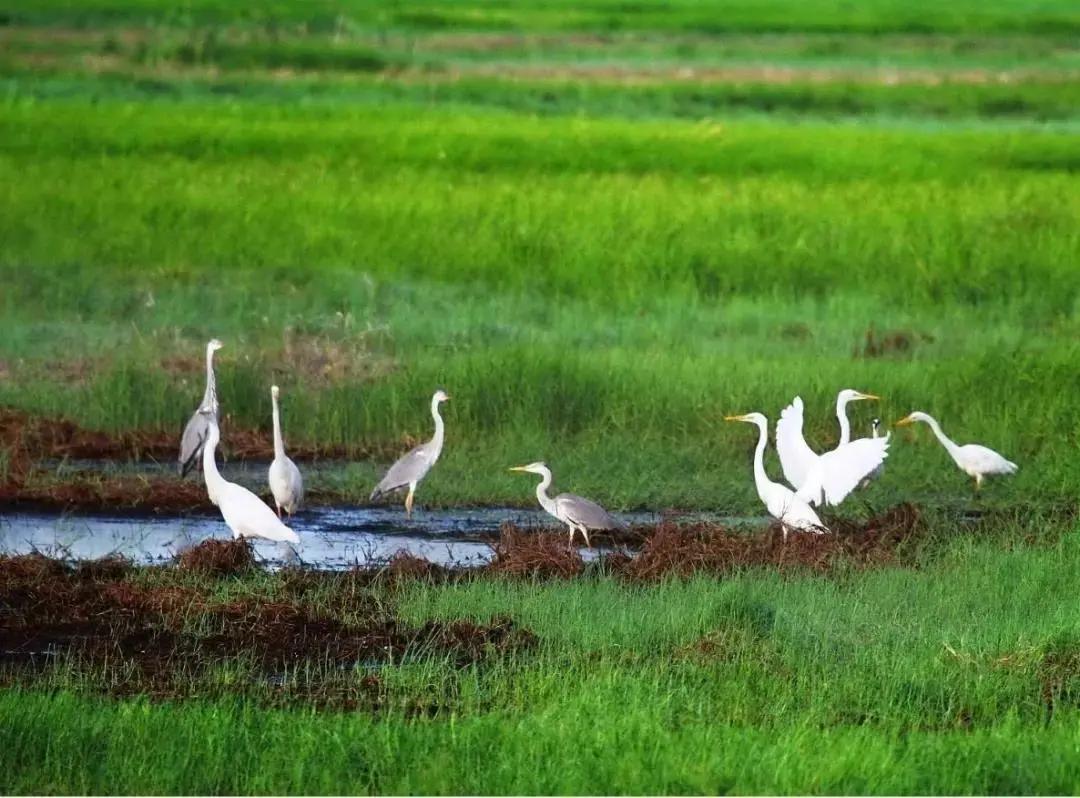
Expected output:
(597, 293)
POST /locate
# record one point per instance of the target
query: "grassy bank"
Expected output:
(952, 670)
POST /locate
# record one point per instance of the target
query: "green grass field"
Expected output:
(601, 227)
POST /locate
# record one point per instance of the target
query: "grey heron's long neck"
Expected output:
(841, 416)
(437, 438)
(542, 493)
(279, 444)
(761, 479)
(946, 441)
(209, 401)
(210, 469)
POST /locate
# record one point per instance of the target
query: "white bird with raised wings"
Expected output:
(828, 477)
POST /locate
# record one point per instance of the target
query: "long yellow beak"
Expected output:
(905, 421)
(735, 418)
(870, 396)
(517, 468)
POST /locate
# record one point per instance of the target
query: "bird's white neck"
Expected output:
(841, 416)
(950, 447)
(279, 444)
(209, 401)
(761, 479)
(542, 492)
(213, 477)
(437, 438)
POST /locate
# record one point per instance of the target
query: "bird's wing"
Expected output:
(987, 460)
(842, 469)
(797, 459)
(411, 467)
(191, 442)
(786, 506)
(587, 513)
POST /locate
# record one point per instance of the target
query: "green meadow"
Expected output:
(601, 227)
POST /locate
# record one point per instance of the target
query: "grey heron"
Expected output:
(191, 442)
(579, 514)
(414, 465)
(783, 504)
(973, 459)
(828, 477)
(246, 514)
(285, 481)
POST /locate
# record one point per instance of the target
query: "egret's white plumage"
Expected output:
(973, 459)
(246, 514)
(783, 504)
(286, 484)
(414, 465)
(828, 477)
(579, 514)
(191, 442)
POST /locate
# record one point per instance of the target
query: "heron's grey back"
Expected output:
(587, 513)
(410, 467)
(191, 442)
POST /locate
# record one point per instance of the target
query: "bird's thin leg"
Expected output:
(978, 482)
(279, 512)
(573, 529)
(409, 501)
(585, 534)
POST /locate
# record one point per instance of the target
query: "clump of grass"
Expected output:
(218, 557)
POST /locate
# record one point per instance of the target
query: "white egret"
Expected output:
(579, 514)
(974, 460)
(191, 442)
(783, 504)
(285, 481)
(828, 477)
(247, 515)
(414, 465)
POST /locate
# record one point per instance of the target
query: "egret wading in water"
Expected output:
(191, 442)
(246, 514)
(579, 514)
(974, 460)
(413, 466)
(781, 501)
(285, 481)
(828, 477)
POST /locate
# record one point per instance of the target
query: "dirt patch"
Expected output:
(901, 343)
(535, 555)
(91, 492)
(694, 548)
(166, 638)
(33, 438)
(218, 558)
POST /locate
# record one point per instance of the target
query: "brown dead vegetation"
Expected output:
(218, 558)
(34, 438)
(900, 343)
(671, 549)
(161, 637)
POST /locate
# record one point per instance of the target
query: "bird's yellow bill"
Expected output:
(734, 418)
(517, 468)
(905, 421)
(875, 397)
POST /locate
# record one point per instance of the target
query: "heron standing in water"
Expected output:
(579, 514)
(191, 442)
(246, 514)
(285, 481)
(414, 465)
